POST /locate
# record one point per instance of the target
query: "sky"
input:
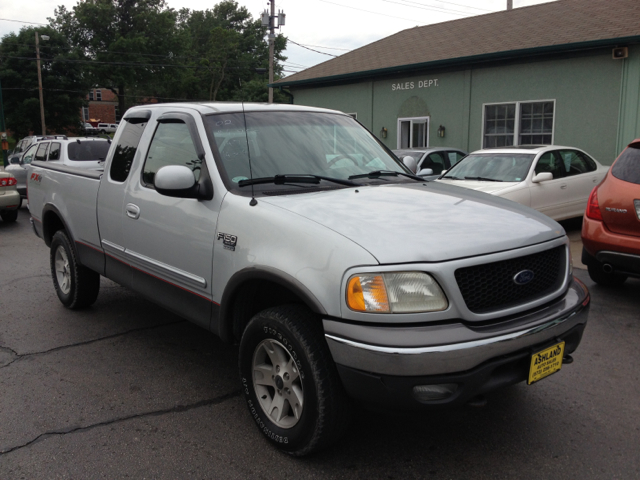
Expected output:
(332, 27)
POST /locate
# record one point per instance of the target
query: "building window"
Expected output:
(85, 114)
(91, 95)
(99, 95)
(518, 123)
(413, 132)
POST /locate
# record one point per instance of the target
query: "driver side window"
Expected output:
(549, 162)
(171, 145)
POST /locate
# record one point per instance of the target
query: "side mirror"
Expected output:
(410, 163)
(542, 177)
(425, 171)
(176, 181)
(15, 161)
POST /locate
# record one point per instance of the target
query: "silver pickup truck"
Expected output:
(345, 279)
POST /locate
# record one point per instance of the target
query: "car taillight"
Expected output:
(593, 208)
(8, 182)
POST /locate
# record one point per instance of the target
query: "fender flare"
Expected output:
(262, 273)
(45, 232)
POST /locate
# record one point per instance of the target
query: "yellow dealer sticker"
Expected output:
(546, 362)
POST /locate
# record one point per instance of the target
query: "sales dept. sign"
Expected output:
(432, 82)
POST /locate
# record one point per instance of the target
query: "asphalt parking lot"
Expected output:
(125, 389)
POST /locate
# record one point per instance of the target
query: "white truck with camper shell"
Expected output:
(345, 279)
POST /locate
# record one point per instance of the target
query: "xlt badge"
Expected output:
(228, 240)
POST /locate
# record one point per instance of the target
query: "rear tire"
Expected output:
(76, 285)
(602, 278)
(9, 216)
(290, 382)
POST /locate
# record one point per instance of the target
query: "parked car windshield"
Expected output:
(499, 167)
(88, 150)
(627, 167)
(296, 143)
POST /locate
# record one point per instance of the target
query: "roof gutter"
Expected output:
(567, 47)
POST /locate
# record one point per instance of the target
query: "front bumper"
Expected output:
(382, 364)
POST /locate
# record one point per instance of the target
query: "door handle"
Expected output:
(563, 186)
(133, 211)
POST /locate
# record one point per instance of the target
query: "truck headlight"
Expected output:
(398, 292)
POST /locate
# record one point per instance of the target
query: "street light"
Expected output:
(44, 37)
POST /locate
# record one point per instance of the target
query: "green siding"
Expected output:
(630, 99)
(356, 98)
(596, 99)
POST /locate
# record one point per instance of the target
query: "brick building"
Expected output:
(102, 108)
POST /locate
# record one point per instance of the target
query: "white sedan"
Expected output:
(552, 179)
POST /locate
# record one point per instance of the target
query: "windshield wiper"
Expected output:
(385, 173)
(289, 178)
(484, 179)
(447, 177)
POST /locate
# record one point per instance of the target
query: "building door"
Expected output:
(413, 132)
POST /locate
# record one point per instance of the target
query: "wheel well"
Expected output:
(252, 297)
(51, 223)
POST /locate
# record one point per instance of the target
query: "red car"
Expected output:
(611, 226)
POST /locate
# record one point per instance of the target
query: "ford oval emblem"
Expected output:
(523, 277)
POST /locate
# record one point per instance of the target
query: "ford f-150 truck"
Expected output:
(296, 233)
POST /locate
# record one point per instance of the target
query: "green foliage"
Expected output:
(63, 81)
(141, 50)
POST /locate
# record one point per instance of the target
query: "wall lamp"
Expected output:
(441, 131)
(383, 132)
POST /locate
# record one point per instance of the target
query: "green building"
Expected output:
(565, 72)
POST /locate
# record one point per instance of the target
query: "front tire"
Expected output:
(290, 382)
(76, 285)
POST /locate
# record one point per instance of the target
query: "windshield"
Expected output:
(499, 167)
(88, 150)
(296, 143)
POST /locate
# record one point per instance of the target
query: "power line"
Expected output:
(22, 21)
(369, 11)
(431, 9)
(317, 51)
(320, 46)
(457, 5)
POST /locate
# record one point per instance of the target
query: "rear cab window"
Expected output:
(126, 149)
(92, 150)
(627, 167)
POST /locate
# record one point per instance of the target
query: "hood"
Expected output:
(429, 222)
(482, 186)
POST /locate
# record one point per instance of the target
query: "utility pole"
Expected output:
(509, 4)
(269, 20)
(3, 132)
(44, 37)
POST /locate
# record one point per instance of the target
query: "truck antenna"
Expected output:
(253, 201)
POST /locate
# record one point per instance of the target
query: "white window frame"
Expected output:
(98, 95)
(516, 127)
(91, 95)
(85, 114)
(413, 120)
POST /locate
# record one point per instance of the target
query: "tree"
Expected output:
(227, 46)
(63, 81)
(132, 44)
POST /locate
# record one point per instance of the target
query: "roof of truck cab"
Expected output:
(231, 107)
